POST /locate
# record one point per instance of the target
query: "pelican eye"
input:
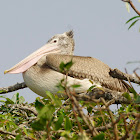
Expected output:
(54, 41)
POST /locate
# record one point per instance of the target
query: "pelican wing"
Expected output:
(87, 67)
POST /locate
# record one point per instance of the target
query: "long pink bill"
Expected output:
(29, 61)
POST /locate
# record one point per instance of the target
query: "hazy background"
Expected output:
(99, 31)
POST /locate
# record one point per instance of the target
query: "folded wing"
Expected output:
(87, 68)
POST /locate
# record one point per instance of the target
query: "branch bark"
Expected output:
(15, 87)
(132, 5)
(105, 93)
(96, 93)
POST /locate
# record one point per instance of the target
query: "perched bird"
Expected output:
(41, 71)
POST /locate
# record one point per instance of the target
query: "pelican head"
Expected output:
(60, 43)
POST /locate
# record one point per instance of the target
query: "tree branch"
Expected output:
(15, 87)
(103, 128)
(115, 130)
(132, 5)
(10, 133)
(27, 108)
(24, 107)
(105, 93)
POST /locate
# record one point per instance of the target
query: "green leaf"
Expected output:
(60, 86)
(132, 19)
(46, 112)
(89, 109)
(25, 131)
(76, 86)
(127, 96)
(127, 7)
(83, 136)
(91, 88)
(38, 105)
(9, 101)
(65, 134)
(21, 100)
(137, 101)
(129, 108)
(2, 91)
(2, 97)
(2, 101)
(37, 125)
(68, 65)
(68, 124)
(134, 92)
(99, 137)
(50, 95)
(15, 98)
(133, 23)
(57, 101)
(18, 137)
(58, 123)
(61, 66)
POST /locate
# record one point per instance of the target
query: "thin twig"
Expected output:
(80, 112)
(79, 125)
(126, 128)
(104, 120)
(14, 134)
(9, 133)
(61, 106)
(91, 127)
(136, 73)
(112, 119)
(137, 128)
(25, 108)
(132, 5)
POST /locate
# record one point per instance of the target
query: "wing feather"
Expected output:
(87, 67)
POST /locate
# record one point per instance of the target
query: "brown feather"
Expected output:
(87, 67)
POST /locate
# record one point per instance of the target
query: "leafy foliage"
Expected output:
(134, 19)
(54, 120)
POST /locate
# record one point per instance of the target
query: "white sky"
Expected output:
(99, 28)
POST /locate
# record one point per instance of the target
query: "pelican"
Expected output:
(41, 70)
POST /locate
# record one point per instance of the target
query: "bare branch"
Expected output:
(85, 118)
(113, 121)
(94, 96)
(13, 134)
(10, 133)
(24, 108)
(15, 87)
(96, 93)
(132, 5)
(103, 128)
(137, 128)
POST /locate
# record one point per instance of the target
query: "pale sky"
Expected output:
(99, 31)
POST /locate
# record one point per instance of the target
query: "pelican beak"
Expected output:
(29, 61)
